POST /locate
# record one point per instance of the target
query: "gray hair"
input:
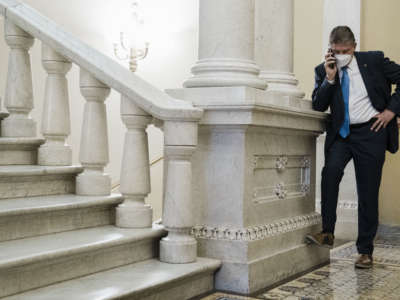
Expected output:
(341, 35)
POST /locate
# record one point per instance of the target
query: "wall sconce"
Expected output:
(131, 48)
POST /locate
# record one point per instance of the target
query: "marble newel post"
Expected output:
(226, 50)
(180, 140)
(274, 30)
(253, 180)
(18, 95)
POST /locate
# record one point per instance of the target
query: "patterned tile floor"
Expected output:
(340, 280)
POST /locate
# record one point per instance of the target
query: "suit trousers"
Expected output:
(367, 149)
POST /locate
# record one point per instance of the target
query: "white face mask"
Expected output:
(343, 60)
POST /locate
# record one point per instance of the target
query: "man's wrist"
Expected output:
(330, 81)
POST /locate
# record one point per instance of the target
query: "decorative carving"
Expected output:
(293, 169)
(342, 204)
(281, 163)
(306, 163)
(255, 162)
(280, 190)
(348, 205)
(305, 188)
(259, 232)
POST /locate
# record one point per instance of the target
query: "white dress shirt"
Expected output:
(360, 106)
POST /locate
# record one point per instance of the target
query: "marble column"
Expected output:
(253, 170)
(19, 94)
(226, 46)
(341, 12)
(274, 29)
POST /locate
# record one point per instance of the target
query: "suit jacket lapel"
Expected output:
(363, 66)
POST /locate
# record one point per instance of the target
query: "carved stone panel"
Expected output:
(280, 177)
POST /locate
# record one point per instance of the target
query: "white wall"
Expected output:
(173, 35)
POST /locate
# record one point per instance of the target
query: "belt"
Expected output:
(359, 125)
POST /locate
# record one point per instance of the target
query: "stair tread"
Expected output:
(20, 141)
(121, 281)
(39, 248)
(28, 170)
(18, 206)
(3, 114)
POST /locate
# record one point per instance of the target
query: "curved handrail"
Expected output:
(146, 96)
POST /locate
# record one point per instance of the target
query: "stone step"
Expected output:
(29, 181)
(40, 261)
(19, 151)
(33, 216)
(147, 280)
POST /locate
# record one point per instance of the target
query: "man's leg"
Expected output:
(369, 156)
(336, 160)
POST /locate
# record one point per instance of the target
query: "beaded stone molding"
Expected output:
(343, 204)
(259, 232)
(348, 204)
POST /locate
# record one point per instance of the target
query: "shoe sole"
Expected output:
(310, 239)
(358, 266)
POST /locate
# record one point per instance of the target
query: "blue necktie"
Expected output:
(345, 84)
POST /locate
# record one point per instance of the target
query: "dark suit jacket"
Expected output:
(379, 74)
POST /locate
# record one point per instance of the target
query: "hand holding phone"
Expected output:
(330, 65)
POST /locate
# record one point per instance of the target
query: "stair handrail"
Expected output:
(141, 104)
(149, 98)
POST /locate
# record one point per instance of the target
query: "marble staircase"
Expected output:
(63, 234)
(66, 246)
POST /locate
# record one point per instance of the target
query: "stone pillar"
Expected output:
(94, 138)
(56, 117)
(254, 185)
(226, 45)
(254, 167)
(180, 140)
(341, 12)
(18, 95)
(135, 169)
(274, 31)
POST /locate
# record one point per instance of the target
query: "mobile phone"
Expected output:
(332, 65)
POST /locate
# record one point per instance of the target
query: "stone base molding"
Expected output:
(259, 232)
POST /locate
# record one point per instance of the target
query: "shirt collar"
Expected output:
(353, 64)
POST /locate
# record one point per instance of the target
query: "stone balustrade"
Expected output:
(140, 103)
(19, 94)
(56, 118)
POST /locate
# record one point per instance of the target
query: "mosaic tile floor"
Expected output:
(340, 280)
(222, 296)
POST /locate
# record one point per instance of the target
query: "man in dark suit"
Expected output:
(357, 87)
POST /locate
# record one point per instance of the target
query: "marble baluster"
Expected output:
(94, 139)
(18, 94)
(226, 46)
(56, 116)
(135, 169)
(180, 140)
(274, 31)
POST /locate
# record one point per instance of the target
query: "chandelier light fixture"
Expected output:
(132, 45)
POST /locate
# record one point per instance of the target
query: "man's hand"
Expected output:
(398, 122)
(329, 61)
(383, 119)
